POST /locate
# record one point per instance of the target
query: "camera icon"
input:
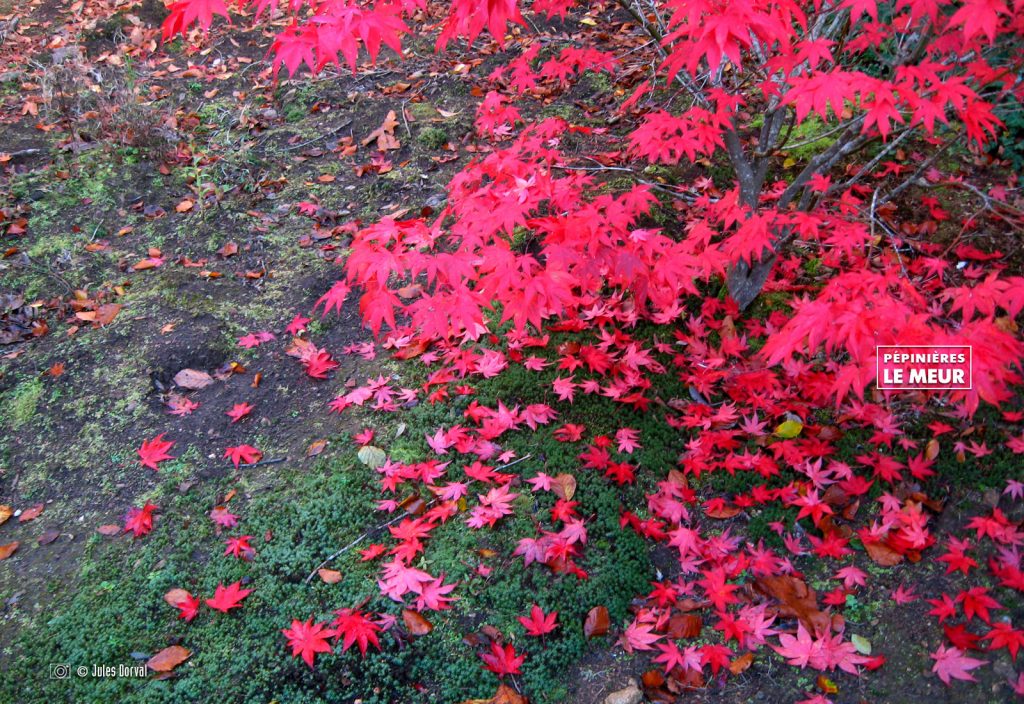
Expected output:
(60, 672)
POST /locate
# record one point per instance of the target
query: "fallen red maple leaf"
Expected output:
(239, 411)
(240, 547)
(502, 660)
(952, 663)
(538, 623)
(243, 453)
(353, 627)
(307, 639)
(154, 451)
(227, 598)
(140, 520)
(188, 607)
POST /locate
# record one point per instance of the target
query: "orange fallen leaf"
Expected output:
(8, 550)
(882, 554)
(329, 576)
(185, 205)
(5, 513)
(168, 658)
(109, 529)
(416, 623)
(176, 596)
(316, 447)
(722, 512)
(385, 134)
(106, 313)
(597, 623)
(740, 664)
(30, 514)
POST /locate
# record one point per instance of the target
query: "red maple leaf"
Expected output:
(140, 520)
(243, 453)
(227, 598)
(239, 411)
(222, 517)
(188, 607)
(538, 623)
(639, 635)
(353, 627)
(184, 13)
(334, 298)
(319, 363)
(180, 406)
(240, 547)
(1004, 635)
(951, 663)
(308, 638)
(154, 451)
(297, 325)
(502, 660)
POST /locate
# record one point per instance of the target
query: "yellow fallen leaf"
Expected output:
(789, 429)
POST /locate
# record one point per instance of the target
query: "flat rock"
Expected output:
(630, 694)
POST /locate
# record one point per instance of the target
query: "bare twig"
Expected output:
(333, 132)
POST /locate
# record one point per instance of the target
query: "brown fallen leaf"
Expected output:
(228, 250)
(5, 513)
(414, 349)
(507, 695)
(48, 537)
(168, 658)
(109, 529)
(106, 313)
(685, 626)
(30, 514)
(597, 622)
(416, 623)
(192, 379)
(739, 665)
(8, 550)
(882, 554)
(722, 512)
(329, 576)
(385, 134)
(795, 599)
(176, 596)
(316, 447)
(564, 486)
(185, 205)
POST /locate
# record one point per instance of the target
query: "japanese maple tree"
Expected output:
(825, 117)
(854, 81)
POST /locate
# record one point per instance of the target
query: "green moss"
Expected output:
(423, 111)
(21, 403)
(432, 137)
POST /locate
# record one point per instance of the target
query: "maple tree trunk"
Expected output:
(745, 282)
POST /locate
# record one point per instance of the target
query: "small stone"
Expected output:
(630, 694)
